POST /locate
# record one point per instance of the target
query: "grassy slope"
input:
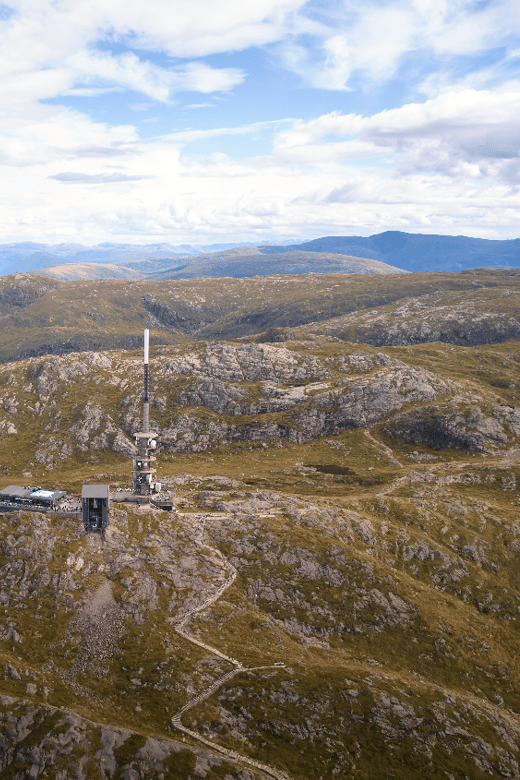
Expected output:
(372, 689)
(82, 271)
(108, 314)
(477, 316)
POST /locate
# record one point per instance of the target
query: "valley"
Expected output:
(44, 316)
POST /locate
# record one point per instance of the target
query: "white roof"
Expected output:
(95, 491)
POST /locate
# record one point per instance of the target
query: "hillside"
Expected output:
(32, 256)
(254, 263)
(67, 272)
(239, 262)
(479, 316)
(416, 252)
(330, 254)
(42, 316)
(339, 588)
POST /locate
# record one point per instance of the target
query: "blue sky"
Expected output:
(200, 122)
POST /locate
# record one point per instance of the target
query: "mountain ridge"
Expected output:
(412, 252)
(255, 263)
(418, 252)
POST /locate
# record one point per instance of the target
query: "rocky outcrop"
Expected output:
(438, 428)
(97, 431)
(20, 291)
(245, 363)
(314, 410)
(438, 317)
(246, 394)
(39, 739)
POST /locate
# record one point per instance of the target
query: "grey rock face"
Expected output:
(255, 393)
(39, 739)
(106, 434)
(439, 428)
(437, 317)
(314, 409)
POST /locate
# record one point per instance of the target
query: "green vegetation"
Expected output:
(377, 563)
(44, 316)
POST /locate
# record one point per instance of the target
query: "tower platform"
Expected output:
(162, 500)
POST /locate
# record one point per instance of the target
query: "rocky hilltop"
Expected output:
(337, 590)
(244, 261)
(480, 316)
(68, 407)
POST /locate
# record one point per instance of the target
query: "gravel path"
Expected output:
(182, 629)
(379, 444)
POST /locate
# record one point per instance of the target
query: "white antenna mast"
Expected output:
(144, 474)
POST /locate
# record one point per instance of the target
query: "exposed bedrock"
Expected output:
(238, 393)
(356, 404)
(468, 429)
(461, 331)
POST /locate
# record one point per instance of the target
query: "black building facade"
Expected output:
(95, 501)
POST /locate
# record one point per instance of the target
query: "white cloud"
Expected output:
(196, 29)
(96, 178)
(89, 91)
(158, 83)
(372, 40)
(49, 49)
(100, 151)
(450, 163)
(327, 46)
(45, 33)
(440, 163)
(187, 136)
(456, 134)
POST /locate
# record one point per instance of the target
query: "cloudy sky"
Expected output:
(200, 121)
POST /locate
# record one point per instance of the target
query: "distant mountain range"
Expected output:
(388, 252)
(415, 251)
(31, 256)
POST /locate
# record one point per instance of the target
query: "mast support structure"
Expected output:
(144, 474)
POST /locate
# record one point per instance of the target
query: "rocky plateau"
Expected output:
(336, 594)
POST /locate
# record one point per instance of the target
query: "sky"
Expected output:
(197, 121)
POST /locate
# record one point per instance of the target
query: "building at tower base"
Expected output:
(95, 500)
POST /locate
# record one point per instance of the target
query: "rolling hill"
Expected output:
(237, 263)
(67, 272)
(402, 251)
(42, 315)
(241, 264)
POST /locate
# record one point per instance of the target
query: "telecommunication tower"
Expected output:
(144, 474)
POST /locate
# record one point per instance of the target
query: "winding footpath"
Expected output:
(183, 631)
(379, 445)
(429, 472)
